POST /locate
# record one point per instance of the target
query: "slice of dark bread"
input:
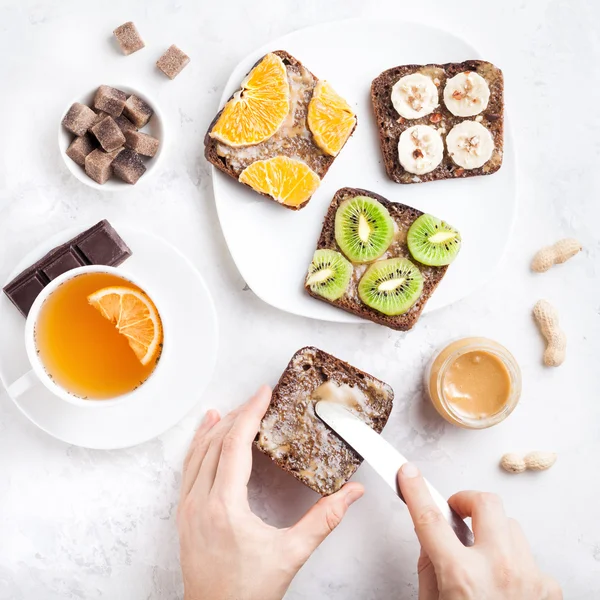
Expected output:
(300, 145)
(391, 124)
(294, 437)
(404, 216)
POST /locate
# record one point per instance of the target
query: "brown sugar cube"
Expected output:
(125, 124)
(142, 143)
(129, 38)
(100, 115)
(128, 166)
(137, 111)
(98, 164)
(110, 100)
(108, 134)
(172, 62)
(79, 119)
(80, 147)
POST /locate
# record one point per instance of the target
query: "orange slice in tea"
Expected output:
(258, 109)
(330, 118)
(288, 180)
(134, 315)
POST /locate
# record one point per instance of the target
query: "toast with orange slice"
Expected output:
(281, 131)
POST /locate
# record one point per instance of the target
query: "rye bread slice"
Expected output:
(300, 145)
(391, 124)
(404, 216)
(296, 440)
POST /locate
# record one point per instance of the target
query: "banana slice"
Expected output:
(470, 145)
(420, 149)
(466, 94)
(415, 96)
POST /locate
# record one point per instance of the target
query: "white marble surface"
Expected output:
(86, 524)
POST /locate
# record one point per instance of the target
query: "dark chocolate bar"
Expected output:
(98, 245)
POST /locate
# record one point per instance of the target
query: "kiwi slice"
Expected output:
(363, 229)
(432, 241)
(391, 286)
(329, 274)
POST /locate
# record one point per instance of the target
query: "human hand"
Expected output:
(499, 566)
(227, 552)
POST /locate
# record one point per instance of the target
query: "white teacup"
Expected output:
(38, 373)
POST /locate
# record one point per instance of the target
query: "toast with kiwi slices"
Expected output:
(378, 259)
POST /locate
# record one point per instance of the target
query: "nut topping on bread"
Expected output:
(415, 96)
(466, 94)
(297, 440)
(420, 149)
(470, 144)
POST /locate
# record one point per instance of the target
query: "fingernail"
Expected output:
(352, 496)
(209, 415)
(410, 471)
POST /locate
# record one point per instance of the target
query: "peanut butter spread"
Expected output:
(477, 384)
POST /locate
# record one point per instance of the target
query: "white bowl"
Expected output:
(155, 128)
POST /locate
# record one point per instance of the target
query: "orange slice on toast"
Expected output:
(134, 315)
(330, 118)
(289, 181)
(257, 110)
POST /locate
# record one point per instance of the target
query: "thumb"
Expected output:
(322, 519)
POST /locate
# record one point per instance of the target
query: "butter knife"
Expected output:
(384, 458)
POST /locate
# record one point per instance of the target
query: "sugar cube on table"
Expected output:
(79, 119)
(98, 164)
(110, 100)
(129, 38)
(125, 124)
(142, 143)
(172, 62)
(137, 111)
(128, 166)
(108, 134)
(80, 147)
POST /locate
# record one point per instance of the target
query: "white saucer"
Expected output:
(186, 365)
(273, 246)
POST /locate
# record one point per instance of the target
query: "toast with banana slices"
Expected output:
(440, 121)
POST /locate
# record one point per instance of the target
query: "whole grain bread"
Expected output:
(301, 145)
(391, 124)
(296, 440)
(404, 216)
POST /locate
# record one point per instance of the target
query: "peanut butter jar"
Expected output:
(474, 382)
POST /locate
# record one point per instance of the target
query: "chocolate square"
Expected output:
(63, 263)
(104, 248)
(23, 295)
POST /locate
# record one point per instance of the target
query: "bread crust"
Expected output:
(317, 456)
(319, 161)
(391, 124)
(404, 216)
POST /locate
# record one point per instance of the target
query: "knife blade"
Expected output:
(383, 458)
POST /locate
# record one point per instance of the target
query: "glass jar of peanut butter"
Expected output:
(474, 382)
